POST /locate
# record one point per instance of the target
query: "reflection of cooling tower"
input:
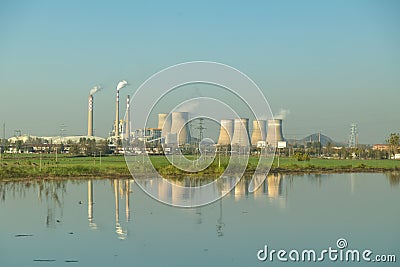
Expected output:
(164, 190)
(274, 132)
(259, 131)
(274, 182)
(90, 117)
(178, 192)
(179, 126)
(164, 123)
(241, 133)
(226, 132)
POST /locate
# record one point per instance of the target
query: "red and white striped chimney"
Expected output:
(90, 116)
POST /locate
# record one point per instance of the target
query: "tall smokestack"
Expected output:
(241, 133)
(120, 85)
(116, 128)
(92, 91)
(180, 127)
(226, 132)
(164, 123)
(259, 131)
(274, 134)
(127, 119)
(90, 116)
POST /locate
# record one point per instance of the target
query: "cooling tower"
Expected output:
(241, 133)
(127, 119)
(90, 116)
(226, 132)
(116, 126)
(259, 131)
(274, 134)
(180, 127)
(164, 123)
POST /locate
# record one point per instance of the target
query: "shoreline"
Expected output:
(114, 167)
(247, 173)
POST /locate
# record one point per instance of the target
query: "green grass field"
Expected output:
(48, 165)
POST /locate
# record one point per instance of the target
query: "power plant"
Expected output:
(259, 131)
(226, 132)
(180, 126)
(274, 133)
(173, 128)
(241, 135)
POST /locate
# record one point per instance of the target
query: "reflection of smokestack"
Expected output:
(164, 123)
(127, 191)
(116, 201)
(241, 133)
(226, 132)
(118, 229)
(127, 119)
(90, 201)
(179, 126)
(116, 126)
(90, 116)
(92, 225)
(259, 131)
(274, 134)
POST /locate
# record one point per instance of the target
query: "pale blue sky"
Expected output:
(330, 63)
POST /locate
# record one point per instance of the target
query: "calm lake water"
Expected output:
(53, 223)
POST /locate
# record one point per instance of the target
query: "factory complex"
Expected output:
(173, 131)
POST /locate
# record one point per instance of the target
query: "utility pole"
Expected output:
(201, 129)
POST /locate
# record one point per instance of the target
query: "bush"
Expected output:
(302, 157)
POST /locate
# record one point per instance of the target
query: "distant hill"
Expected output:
(314, 138)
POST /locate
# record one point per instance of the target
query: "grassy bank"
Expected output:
(20, 166)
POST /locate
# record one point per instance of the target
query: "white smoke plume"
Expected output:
(121, 85)
(95, 89)
(283, 113)
(192, 106)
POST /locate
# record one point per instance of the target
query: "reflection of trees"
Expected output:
(51, 191)
(47, 189)
(394, 178)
